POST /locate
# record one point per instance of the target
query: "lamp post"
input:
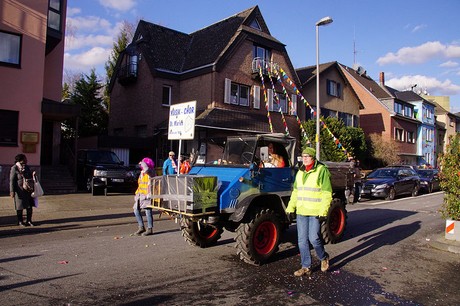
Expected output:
(321, 22)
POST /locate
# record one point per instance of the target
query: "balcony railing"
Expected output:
(267, 66)
(127, 73)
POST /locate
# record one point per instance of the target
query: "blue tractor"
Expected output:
(243, 192)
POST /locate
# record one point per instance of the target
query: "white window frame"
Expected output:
(234, 93)
(256, 97)
(399, 134)
(293, 108)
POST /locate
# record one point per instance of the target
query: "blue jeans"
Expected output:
(308, 230)
(148, 214)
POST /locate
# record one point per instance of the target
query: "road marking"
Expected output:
(396, 200)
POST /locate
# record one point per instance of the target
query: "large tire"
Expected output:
(200, 234)
(258, 240)
(333, 228)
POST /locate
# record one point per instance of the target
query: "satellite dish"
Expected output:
(360, 70)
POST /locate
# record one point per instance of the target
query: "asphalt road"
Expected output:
(82, 253)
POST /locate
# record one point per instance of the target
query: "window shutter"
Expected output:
(339, 90)
(228, 85)
(293, 110)
(270, 99)
(328, 87)
(256, 97)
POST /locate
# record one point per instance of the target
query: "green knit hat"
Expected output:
(310, 151)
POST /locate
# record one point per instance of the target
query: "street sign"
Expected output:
(182, 121)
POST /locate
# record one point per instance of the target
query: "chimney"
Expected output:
(382, 79)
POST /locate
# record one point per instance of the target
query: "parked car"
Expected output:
(99, 171)
(429, 180)
(390, 182)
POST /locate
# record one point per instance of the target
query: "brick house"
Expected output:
(31, 64)
(219, 67)
(337, 98)
(385, 114)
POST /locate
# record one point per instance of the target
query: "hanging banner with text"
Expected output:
(182, 121)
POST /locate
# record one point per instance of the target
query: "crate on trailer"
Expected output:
(190, 194)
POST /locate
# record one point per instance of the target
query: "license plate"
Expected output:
(118, 180)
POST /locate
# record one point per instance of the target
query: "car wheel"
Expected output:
(391, 194)
(415, 190)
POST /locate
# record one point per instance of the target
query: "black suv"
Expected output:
(100, 170)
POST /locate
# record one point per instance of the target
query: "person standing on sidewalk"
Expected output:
(143, 197)
(21, 188)
(170, 164)
(310, 200)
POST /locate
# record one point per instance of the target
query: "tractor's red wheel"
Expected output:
(333, 228)
(258, 239)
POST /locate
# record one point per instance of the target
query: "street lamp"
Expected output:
(321, 22)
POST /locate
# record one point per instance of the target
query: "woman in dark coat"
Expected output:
(21, 191)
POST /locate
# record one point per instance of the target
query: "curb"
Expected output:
(443, 244)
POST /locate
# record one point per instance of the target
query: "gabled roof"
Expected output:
(410, 96)
(168, 50)
(368, 83)
(308, 74)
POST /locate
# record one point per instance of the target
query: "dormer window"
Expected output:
(255, 25)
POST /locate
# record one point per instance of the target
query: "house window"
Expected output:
(282, 103)
(346, 118)
(9, 121)
(166, 99)
(54, 15)
(239, 94)
(429, 113)
(399, 134)
(355, 121)
(10, 49)
(235, 93)
(328, 113)
(255, 25)
(334, 89)
(261, 59)
(398, 108)
(408, 111)
(410, 137)
(429, 135)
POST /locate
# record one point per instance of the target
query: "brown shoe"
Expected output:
(140, 231)
(148, 232)
(302, 272)
(325, 264)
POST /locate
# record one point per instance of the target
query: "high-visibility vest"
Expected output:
(143, 184)
(310, 198)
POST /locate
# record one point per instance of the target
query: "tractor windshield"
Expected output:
(239, 151)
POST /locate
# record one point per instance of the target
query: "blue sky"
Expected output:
(412, 42)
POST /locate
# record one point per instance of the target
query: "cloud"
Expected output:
(420, 54)
(89, 23)
(432, 85)
(118, 5)
(418, 27)
(77, 42)
(449, 64)
(93, 58)
(71, 11)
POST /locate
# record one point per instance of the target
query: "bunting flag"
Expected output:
(266, 99)
(322, 123)
(291, 106)
(275, 94)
